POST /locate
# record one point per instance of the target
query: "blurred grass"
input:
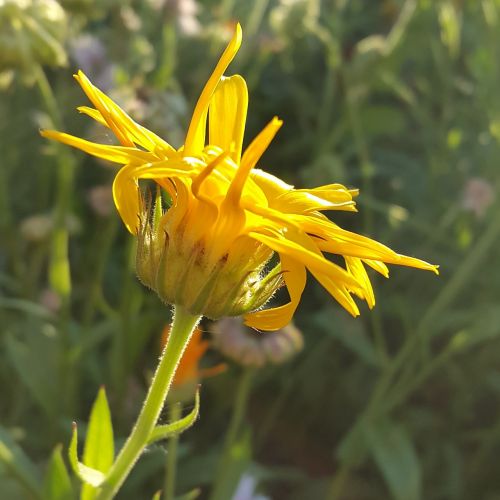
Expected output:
(399, 98)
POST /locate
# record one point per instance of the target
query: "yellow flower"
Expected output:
(208, 250)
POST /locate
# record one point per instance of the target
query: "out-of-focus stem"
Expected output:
(171, 469)
(59, 271)
(239, 410)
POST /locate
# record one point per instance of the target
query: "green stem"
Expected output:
(255, 18)
(182, 328)
(338, 482)
(240, 405)
(171, 471)
(59, 271)
(362, 149)
(59, 268)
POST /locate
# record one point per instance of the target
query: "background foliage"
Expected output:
(397, 97)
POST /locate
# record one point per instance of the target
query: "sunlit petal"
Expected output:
(228, 114)
(195, 138)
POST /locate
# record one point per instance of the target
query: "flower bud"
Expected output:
(250, 348)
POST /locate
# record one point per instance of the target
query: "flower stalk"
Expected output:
(182, 329)
(171, 468)
(223, 481)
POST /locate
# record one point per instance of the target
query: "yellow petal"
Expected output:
(114, 117)
(195, 138)
(330, 191)
(93, 113)
(403, 260)
(207, 205)
(227, 115)
(138, 134)
(127, 197)
(334, 239)
(339, 292)
(251, 156)
(259, 145)
(91, 93)
(302, 201)
(355, 266)
(126, 192)
(271, 185)
(275, 318)
(316, 263)
(378, 266)
(116, 154)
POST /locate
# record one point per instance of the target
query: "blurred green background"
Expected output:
(397, 97)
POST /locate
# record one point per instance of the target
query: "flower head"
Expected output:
(207, 248)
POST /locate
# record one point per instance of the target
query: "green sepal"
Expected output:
(86, 474)
(174, 428)
(57, 483)
(157, 210)
(267, 288)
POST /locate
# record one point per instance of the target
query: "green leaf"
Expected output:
(34, 356)
(18, 464)
(350, 333)
(86, 474)
(190, 495)
(99, 451)
(351, 450)
(57, 484)
(26, 306)
(157, 495)
(395, 456)
(165, 431)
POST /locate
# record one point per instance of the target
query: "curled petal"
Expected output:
(195, 138)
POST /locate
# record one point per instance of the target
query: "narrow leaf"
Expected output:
(99, 450)
(165, 431)
(395, 456)
(191, 495)
(86, 474)
(57, 484)
(18, 464)
(34, 358)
